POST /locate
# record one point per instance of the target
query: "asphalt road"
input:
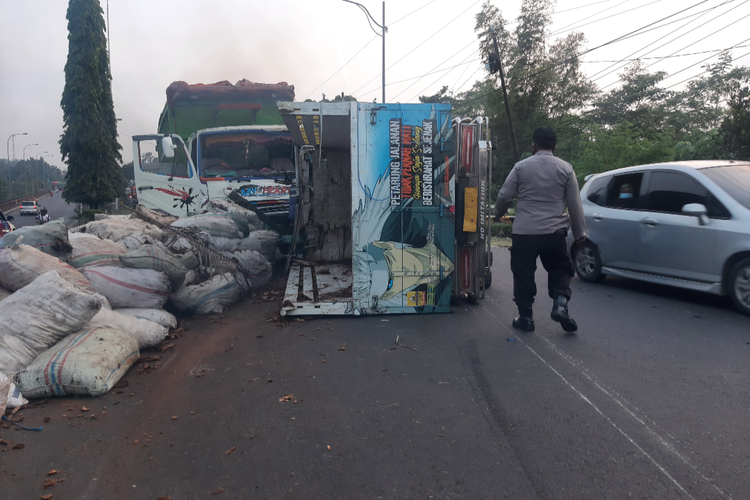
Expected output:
(649, 400)
(55, 205)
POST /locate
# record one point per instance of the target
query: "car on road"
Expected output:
(683, 224)
(5, 223)
(29, 208)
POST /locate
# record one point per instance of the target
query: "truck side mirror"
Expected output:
(167, 146)
(697, 210)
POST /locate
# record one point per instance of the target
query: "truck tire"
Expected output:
(488, 279)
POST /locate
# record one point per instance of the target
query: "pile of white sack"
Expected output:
(77, 304)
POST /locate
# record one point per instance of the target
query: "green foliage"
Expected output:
(128, 172)
(502, 229)
(89, 141)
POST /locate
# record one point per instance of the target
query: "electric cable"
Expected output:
(661, 38)
(589, 17)
(614, 40)
(412, 12)
(421, 45)
(342, 67)
(689, 45)
(702, 72)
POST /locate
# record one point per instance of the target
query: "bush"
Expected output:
(501, 229)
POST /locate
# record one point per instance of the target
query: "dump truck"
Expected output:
(392, 210)
(226, 138)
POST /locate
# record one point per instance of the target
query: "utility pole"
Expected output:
(496, 65)
(382, 34)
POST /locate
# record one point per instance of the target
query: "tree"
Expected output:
(89, 141)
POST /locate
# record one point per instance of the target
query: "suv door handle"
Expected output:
(650, 222)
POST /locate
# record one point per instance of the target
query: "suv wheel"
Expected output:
(739, 286)
(588, 264)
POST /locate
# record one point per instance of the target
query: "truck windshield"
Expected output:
(246, 154)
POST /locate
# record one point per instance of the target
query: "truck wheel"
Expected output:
(488, 280)
(739, 286)
(588, 264)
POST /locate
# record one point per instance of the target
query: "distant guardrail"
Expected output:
(11, 204)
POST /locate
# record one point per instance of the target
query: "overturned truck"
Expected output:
(392, 213)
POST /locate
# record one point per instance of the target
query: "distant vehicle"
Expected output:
(29, 208)
(683, 224)
(5, 223)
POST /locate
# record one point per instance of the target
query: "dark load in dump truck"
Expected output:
(226, 138)
(392, 214)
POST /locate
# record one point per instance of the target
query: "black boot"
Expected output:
(525, 320)
(560, 314)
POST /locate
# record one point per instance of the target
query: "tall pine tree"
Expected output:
(89, 141)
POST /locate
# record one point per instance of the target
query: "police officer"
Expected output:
(544, 186)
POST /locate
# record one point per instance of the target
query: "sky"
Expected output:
(322, 47)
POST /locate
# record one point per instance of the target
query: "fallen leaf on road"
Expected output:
(216, 492)
(230, 450)
(18, 446)
(166, 347)
(120, 384)
(164, 498)
(46, 497)
(174, 417)
(301, 320)
(287, 397)
(48, 482)
(53, 471)
(83, 408)
(329, 446)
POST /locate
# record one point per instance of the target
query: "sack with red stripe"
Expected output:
(22, 264)
(129, 287)
(84, 363)
(153, 257)
(90, 250)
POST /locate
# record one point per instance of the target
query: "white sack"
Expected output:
(90, 250)
(40, 314)
(10, 396)
(4, 293)
(151, 257)
(85, 363)
(214, 224)
(146, 332)
(220, 244)
(256, 268)
(129, 287)
(21, 265)
(117, 229)
(211, 296)
(227, 206)
(160, 316)
(264, 242)
(136, 241)
(51, 238)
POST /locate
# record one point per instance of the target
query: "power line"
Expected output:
(614, 40)
(683, 48)
(584, 6)
(661, 57)
(706, 59)
(433, 69)
(451, 69)
(412, 12)
(704, 71)
(342, 67)
(589, 17)
(661, 38)
(367, 44)
(422, 44)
